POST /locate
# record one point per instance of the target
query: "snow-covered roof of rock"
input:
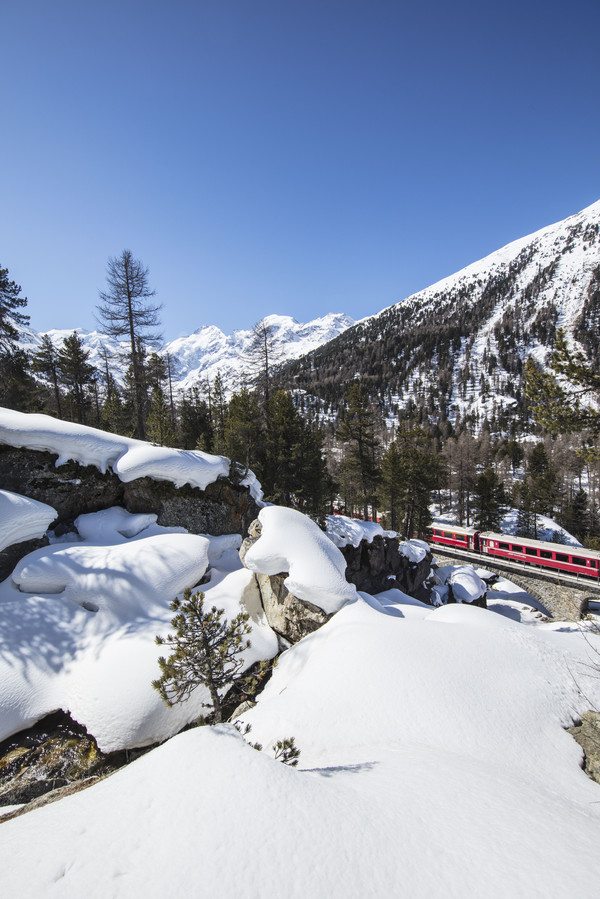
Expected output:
(291, 542)
(22, 518)
(128, 458)
(344, 531)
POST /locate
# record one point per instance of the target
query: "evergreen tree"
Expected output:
(124, 311)
(18, 390)
(556, 396)
(45, 361)
(10, 316)
(243, 434)
(218, 407)
(489, 501)
(159, 428)
(206, 649)
(195, 425)
(361, 447)
(76, 374)
(412, 470)
(576, 517)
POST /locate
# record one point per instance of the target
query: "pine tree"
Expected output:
(489, 501)
(124, 311)
(195, 425)
(206, 650)
(45, 361)
(10, 316)
(361, 451)
(412, 470)
(159, 428)
(556, 396)
(243, 433)
(76, 374)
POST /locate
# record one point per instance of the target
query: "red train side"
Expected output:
(556, 557)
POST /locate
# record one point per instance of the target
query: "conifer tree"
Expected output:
(45, 361)
(556, 396)
(125, 311)
(489, 501)
(76, 374)
(159, 428)
(195, 425)
(206, 650)
(361, 451)
(243, 434)
(10, 316)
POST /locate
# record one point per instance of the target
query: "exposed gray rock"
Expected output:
(379, 565)
(223, 508)
(372, 567)
(587, 734)
(290, 617)
(14, 553)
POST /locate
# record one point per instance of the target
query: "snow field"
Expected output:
(433, 764)
(79, 621)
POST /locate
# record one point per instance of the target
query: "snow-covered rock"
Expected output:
(22, 519)
(290, 542)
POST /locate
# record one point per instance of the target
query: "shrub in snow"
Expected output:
(287, 752)
(206, 650)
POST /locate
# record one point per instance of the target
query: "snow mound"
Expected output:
(128, 458)
(79, 622)
(415, 550)
(343, 531)
(22, 518)
(291, 542)
(466, 584)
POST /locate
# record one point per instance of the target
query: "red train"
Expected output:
(557, 557)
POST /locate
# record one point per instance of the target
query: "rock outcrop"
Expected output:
(587, 734)
(291, 618)
(371, 566)
(379, 565)
(224, 507)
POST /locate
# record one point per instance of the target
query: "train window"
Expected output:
(504, 546)
(560, 557)
(545, 554)
(530, 551)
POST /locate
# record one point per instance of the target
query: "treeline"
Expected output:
(357, 455)
(259, 427)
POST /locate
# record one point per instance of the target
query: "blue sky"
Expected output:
(283, 156)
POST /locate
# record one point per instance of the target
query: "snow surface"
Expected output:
(79, 621)
(291, 542)
(416, 550)
(22, 518)
(128, 458)
(344, 531)
(434, 764)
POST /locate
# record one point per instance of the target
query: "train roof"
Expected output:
(452, 528)
(542, 544)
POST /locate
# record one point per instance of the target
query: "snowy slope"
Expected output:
(461, 343)
(434, 764)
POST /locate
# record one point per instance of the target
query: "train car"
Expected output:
(555, 556)
(453, 535)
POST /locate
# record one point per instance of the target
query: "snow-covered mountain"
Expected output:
(459, 346)
(208, 351)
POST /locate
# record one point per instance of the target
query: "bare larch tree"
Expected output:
(124, 311)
